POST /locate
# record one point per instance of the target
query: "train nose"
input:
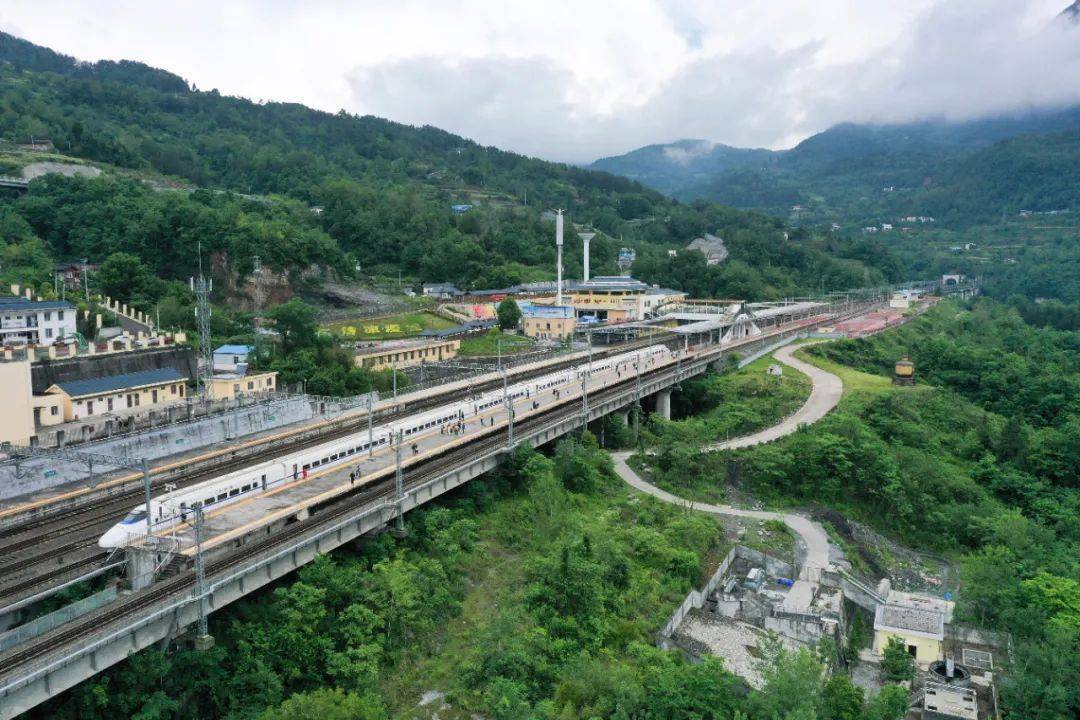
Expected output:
(113, 538)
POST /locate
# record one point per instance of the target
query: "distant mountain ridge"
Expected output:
(354, 194)
(670, 167)
(843, 172)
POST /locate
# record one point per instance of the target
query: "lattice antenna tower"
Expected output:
(258, 297)
(202, 286)
(259, 294)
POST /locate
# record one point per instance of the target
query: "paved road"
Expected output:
(826, 392)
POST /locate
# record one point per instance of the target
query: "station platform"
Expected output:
(112, 480)
(294, 499)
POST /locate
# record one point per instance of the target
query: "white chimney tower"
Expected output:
(558, 261)
(585, 238)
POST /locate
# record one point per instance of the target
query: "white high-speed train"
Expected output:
(176, 506)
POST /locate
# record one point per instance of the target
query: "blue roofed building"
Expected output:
(228, 357)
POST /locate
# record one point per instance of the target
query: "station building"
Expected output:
(548, 322)
(92, 397)
(404, 353)
(243, 383)
(615, 298)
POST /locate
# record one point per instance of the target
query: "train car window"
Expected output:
(234, 492)
(208, 501)
(307, 467)
(222, 496)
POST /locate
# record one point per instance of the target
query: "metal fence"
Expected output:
(56, 618)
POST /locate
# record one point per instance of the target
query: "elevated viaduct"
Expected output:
(170, 606)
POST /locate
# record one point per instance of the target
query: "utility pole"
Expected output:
(370, 436)
(585, 400)
(509, 405)
(585, 383)
(200, 574)
(498, 350)
(146, 494)
(637, 393)
(399, 483)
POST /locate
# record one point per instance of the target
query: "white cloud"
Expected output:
(573, 81)
(686, 154)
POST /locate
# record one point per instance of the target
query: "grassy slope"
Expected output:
(746, 400)
(489, 344)
(390, 327)
(496, 584)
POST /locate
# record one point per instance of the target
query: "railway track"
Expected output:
(185, 580)
(84, 563)
(84, 523)
(39, 649)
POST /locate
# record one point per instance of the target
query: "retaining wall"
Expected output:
(48, 473)
(48, 372)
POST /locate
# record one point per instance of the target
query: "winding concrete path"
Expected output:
(825, 394)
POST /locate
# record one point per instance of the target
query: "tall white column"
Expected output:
(558, 261)
(585, 238)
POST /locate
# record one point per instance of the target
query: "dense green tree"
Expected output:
(124, 278)
(793, 681)
(295, 322)
(327, 704)
(896, 663)
(509, 314)
(841, 699)
(891, 703)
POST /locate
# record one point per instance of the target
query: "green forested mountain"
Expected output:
(959, 173)
(384, 191)
(675, 166)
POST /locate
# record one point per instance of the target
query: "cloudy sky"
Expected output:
(574, 81)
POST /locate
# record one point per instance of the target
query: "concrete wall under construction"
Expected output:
(47, 473)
